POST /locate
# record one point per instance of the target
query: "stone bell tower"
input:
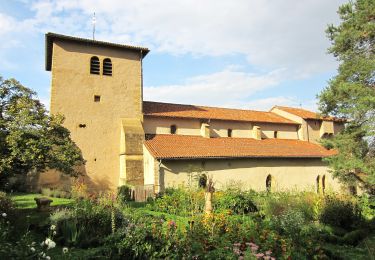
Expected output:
(97, 86)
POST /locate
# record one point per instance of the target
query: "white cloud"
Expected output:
(272, 34)
(227, 88)
(285, 38)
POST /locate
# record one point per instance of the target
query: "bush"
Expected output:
(6, 204)
(46, 192)
(124, 193)
(239, 202)
(291, 222)
(367, 204)
(56, 193)
(179, 201)
(340, 212)
(88, 223)
(14, 183)
(278, 203)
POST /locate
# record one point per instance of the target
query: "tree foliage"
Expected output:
(30, 139)
(351, 93)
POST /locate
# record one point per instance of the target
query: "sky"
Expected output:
(248, 54)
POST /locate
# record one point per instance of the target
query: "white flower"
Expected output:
(65, 250)
(50, 244)
(4, 215)
(48, 257)
(32, 249)
(54, 232)
(33, 244)
(53, 227)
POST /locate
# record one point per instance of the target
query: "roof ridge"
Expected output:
(300, 108)
(96, 41)
(199, 106)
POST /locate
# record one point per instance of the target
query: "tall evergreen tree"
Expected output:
(30, 139)
(351, 93)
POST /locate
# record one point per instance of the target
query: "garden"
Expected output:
(180, 224)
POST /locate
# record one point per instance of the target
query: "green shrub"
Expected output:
(340, 212)
(367, 204)
(239, 202)
(277, 203)
(56, 193)
(290, 222)
(46, 192)
(6, 204)
(124, 193)
(179, 201)
(87, 223)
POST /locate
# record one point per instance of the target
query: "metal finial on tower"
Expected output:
(93, 26)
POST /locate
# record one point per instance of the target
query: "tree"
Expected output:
(30, 139)
(351, 93)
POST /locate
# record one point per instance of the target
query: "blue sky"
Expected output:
(250, 54)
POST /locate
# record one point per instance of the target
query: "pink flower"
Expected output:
(254, 248)
(259, 255)
(269, 252)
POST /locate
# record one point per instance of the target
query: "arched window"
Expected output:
(173, 129)
(318, 184)
(107, 67)
(323, 183)
(269, 183)
(202, 181)
(94, 65)
(229, 132)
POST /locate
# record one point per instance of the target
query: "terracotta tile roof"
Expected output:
(306, 114)
(203, 112)
(190, 147)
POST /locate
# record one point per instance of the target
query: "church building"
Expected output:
(98, 88)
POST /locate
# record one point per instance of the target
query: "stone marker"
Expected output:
(43, 203)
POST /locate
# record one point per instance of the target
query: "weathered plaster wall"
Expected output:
(288, 174)
(160, 125)
(302, 131)
(149, 167)
(72, 94)
(218, 128)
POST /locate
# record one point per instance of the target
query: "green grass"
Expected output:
(26, 201)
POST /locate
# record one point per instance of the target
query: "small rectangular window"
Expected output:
(173, 129)
(96, 98)
(229, 132)
(275, 134)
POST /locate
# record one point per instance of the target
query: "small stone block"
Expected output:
(43, 203)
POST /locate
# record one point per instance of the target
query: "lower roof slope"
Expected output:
(194, 147)
(158, 109)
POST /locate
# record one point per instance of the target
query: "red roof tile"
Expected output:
(190, 147)
(203, 112)
(306, 114)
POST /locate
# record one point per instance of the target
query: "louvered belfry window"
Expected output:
(107, 67)
(94, 65)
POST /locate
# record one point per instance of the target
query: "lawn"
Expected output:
(26, 201)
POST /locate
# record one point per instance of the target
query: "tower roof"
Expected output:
(50, 37)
